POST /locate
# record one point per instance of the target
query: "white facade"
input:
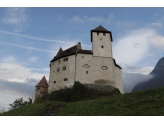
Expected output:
(97, 67)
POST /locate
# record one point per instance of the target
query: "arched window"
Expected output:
(64, 67)
(102, 46)
(65, 79)
(58, 69)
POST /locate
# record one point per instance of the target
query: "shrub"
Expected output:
(19, 102)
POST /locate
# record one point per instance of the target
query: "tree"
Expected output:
(20, 102)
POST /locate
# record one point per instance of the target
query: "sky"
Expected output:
(30, 37)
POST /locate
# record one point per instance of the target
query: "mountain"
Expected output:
(156, 81)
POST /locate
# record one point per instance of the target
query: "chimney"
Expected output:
(79, 46)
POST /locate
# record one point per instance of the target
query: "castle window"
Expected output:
(66, 59)
(102, 46)
(86, 65)
(100, 38)
(104, 34)
(82, 56)
(104, 67)
(54, 81)
(38, 88)
(97, 33)
(59, 61)
(58, 69)
(65, 79)
(86, 72)
(64, 67)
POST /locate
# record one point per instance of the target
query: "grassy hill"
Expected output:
(143, 103)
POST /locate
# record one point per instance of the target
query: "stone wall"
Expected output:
(108, 88)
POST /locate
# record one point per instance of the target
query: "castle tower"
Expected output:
(101, 42)
(41, 87)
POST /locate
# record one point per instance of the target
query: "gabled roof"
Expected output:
(70, 51)
(42, 83)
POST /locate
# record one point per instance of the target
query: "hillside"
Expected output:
(156, 81)
(142, 103)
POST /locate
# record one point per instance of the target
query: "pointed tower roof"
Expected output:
(100, 28)
(42, 83)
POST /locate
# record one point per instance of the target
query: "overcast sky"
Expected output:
(31, 37)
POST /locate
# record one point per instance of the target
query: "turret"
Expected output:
(101, 42)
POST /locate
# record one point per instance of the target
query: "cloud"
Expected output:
(13, 72)
(157, 41)
(133, 75)
(153, 54)
(125, 23)
(25, 47)
(77, 19)
(132, 47)
(33, 58)
(10, 91)
(9, 59)
(100, 19)
(16, 16)
(159, 23)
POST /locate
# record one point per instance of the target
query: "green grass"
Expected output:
(142, 103)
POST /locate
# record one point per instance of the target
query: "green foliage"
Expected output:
(19, 102)
(76, 93)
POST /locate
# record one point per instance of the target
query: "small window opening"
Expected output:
(38, 88)
(64, 68)
(66, 59)
(82, 56)
(102, 46)
(97, 33)
(65, 79)
(86, 72)
(54, 81)
(58, 70)
(104, 34)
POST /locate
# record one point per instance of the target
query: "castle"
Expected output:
(96, 66)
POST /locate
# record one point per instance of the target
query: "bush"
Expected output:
(19, 102)
(76, 93)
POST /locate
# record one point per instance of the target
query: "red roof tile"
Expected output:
(42, 83)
